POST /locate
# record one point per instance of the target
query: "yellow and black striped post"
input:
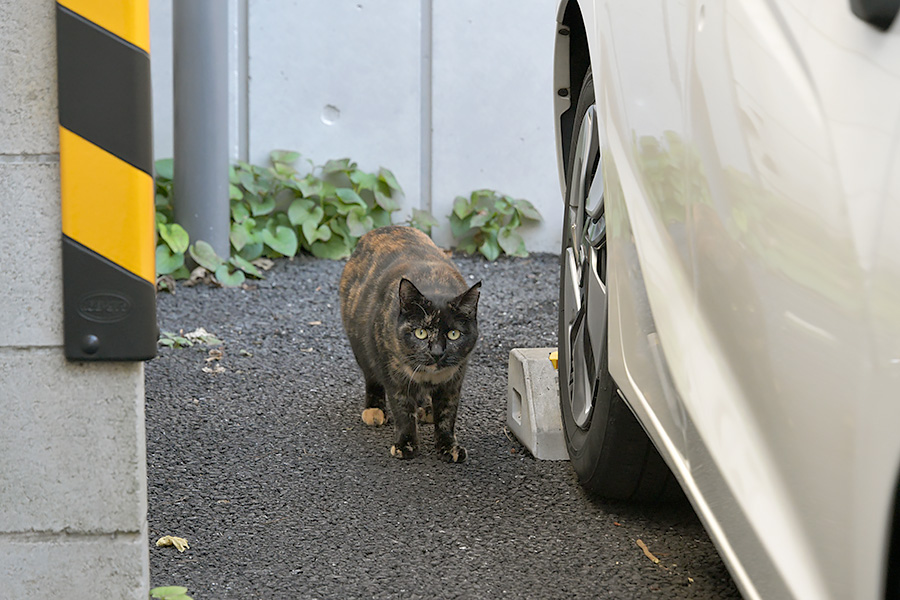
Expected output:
(106, 162)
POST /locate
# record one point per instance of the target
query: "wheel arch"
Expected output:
(571, 63)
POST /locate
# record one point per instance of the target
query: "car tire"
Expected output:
(609, 450)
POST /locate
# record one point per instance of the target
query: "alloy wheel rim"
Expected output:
(584, 273)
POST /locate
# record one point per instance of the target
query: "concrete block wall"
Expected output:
(451, 95)
(72, 445)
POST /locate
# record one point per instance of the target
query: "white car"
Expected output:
(730, 276)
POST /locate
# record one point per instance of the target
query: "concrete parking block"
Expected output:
(532, 412)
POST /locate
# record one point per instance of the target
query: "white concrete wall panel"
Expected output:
(337, 79)
(161, 76)
(28, 119)
(41, 566)
(344, 78)
(492, 100)
(73, 444)
(31, 299)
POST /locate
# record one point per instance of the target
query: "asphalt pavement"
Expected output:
(258, 457)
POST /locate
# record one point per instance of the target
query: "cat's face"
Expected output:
(436, 335)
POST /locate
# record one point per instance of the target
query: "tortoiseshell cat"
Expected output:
(411, 321)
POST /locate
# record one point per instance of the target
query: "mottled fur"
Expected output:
(397, 282)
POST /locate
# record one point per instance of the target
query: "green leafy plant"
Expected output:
(170, 592)
(488, 222)
(422, 220)
(279, 211)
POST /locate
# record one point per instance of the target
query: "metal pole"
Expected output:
(200, 48)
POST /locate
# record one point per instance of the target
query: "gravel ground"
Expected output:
(259, 458)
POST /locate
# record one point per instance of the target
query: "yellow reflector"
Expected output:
(128, 19)
(554, 358)
(107, 205)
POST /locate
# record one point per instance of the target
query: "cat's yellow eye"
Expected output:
(453, 334)
(420, 333)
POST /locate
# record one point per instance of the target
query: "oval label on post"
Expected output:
(104, 307)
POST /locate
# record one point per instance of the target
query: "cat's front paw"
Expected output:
(373, 417)
(404, 451)
(454, 454)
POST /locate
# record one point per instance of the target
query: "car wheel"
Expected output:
(609, 450)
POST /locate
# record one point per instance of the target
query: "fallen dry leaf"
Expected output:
(180, 544)
(263, 263)
(198, 275)
(647, 552)
(214, 370)
(215, 354)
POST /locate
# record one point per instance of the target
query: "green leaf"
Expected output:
(172, 592)
(349, 196)
(380, 218)
(239, 212)
(359, 223)
(336, 166)
(175, 236)
(461, 207)
(262, 205)
(503, 206)
(284, 240)
(284, 156)
(310, 226)
(239, 236)
(299, 210)
(527, 210)
(245, 265)
(229, 279)
(459, 227)
(167, 262)
(324, 233)
(252, 251)
(423, 220)
(234, 192)
(386, 202)
(165, 168)
(363, 180)
(205, 256)
(247, 180)
(468, 246)
(335, 248)
(511, 242)
(310, 186)
(480, 219)
(490, 248)
(388, 177)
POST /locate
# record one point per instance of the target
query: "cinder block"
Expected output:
(73, 448)
(532, 411)
(30, 234)
(28, 119)
(41, 566)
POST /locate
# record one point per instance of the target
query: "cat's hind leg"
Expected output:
(425, 412)
(373, 414)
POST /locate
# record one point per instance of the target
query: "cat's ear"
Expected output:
(466, 303)
(410, 296)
